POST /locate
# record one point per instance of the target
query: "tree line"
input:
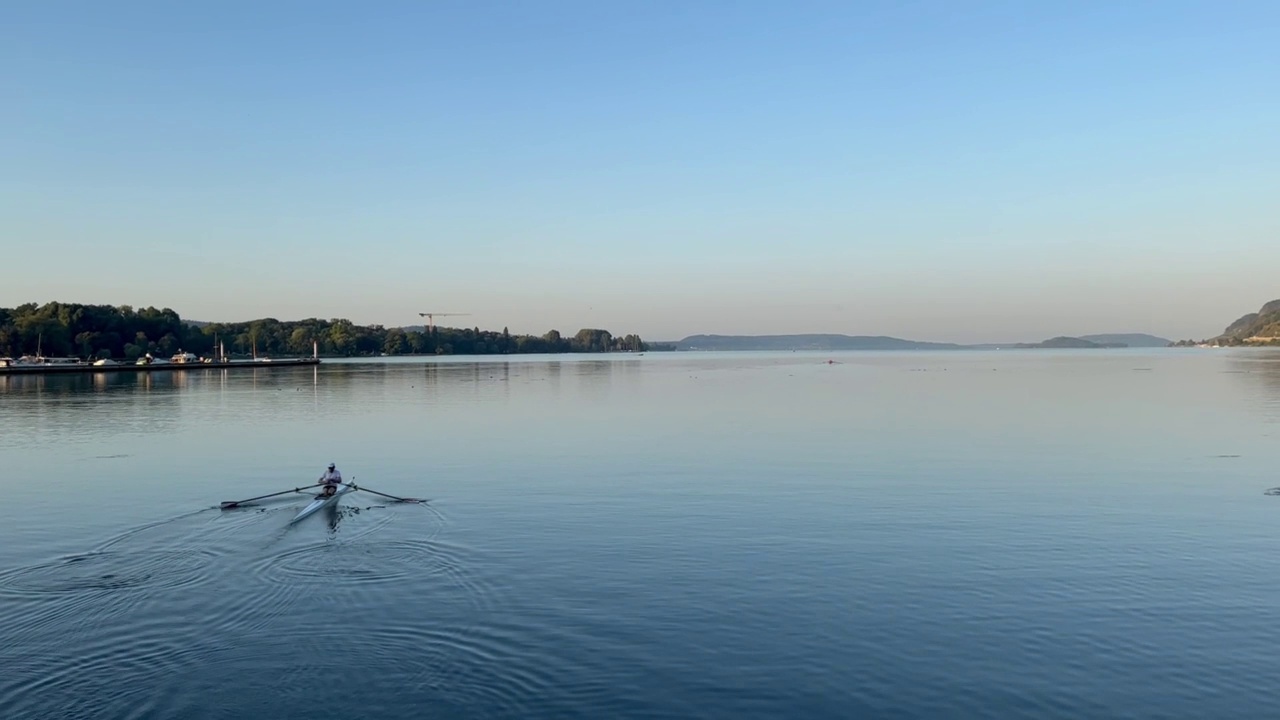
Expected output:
(121, 332)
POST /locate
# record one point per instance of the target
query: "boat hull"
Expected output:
(320, 501)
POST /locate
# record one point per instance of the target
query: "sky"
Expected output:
(948, 171)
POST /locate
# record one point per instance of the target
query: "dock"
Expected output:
(91, 369)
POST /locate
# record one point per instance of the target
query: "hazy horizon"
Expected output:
(997, 173)
(1024, 330)
(1032, 336)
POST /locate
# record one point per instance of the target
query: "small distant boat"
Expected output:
(42, 360)
(321, 500)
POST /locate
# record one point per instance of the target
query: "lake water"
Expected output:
(1012, 534)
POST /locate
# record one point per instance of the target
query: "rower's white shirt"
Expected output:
(331, 475)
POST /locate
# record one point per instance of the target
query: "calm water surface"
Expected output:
(1029, 534)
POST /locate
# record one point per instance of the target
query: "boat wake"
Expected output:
(108, 570)
(354, 562)
(84, 638)
(156, 620)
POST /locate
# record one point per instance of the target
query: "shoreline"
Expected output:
(84, 369)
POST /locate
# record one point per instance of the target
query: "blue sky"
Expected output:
(971, 171)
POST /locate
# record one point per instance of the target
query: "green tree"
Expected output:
(397, 343)
(300, 341)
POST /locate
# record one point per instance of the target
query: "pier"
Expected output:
(90, 369)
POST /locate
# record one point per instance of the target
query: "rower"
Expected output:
(331, 479)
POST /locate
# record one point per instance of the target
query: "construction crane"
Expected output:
(431, 322)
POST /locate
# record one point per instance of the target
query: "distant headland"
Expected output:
(1260, 328)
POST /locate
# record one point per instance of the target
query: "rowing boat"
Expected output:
(321, 500)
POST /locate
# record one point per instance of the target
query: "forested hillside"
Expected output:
(1255, 328)
(98, 331)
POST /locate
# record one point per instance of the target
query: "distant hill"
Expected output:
(806, 342)
(1256, 328)
(1064, 342)
(883, 342)
(1132, 340)
(1240, 325)
(1264, 324)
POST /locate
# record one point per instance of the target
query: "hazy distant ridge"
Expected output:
(1132, 340)
(805, 342)
(883, 342)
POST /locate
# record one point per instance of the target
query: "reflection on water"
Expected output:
(1259, 371)
(75, 405)
(918, 535)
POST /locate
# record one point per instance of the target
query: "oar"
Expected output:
(233, 503)
(393, 497)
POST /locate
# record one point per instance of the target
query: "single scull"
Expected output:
(322, 500)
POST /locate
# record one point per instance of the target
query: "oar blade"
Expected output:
(390, 497)
(387, 496)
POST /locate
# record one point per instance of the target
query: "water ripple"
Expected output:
(359, 565)
(485, 667)
(112, 670)
(108, 570)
